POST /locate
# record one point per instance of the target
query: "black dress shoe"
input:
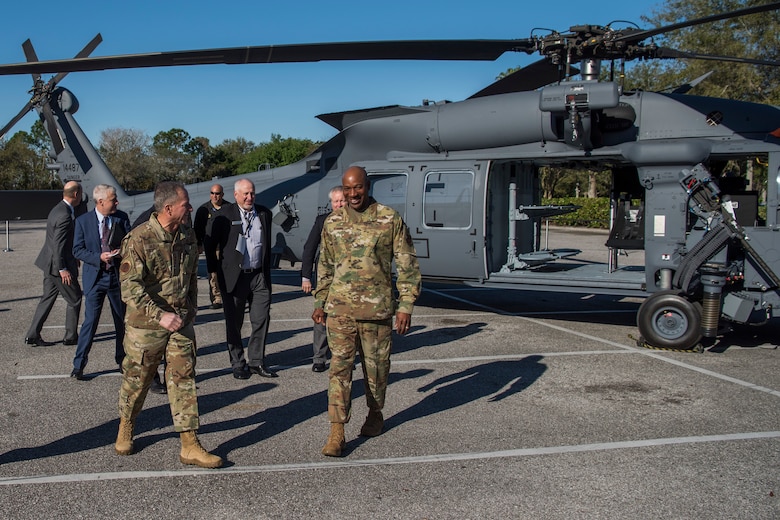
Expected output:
(318, 367)
(35, 342)
(242, 373)
(70, 341)
(77, 374)
(263, 371)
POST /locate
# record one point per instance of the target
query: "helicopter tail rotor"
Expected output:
(42, 92)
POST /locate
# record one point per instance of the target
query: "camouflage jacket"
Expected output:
(354, 274)
(159, 273)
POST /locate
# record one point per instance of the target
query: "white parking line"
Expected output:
(524, 317)
(644, 352)
(307, 366)
(423, 459)
(616, 348)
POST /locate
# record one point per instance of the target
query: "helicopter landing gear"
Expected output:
(667, 319)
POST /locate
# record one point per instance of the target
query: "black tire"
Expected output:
(667, 319)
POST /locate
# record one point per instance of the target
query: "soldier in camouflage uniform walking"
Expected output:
(355, 291)
(159, 282)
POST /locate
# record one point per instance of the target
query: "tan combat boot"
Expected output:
(124, 440)
(193, 453)
(373, 425)
(335, 442)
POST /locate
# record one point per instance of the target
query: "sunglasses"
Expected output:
(216, 193)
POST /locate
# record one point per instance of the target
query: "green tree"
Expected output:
(38, 139)
(550, 176)
(277, 152)
(21, 168)
(223, 159)
(175, 157)
(198, 149)
(39, 142)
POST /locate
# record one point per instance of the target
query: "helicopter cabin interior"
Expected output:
(483, 223)
(516, 251)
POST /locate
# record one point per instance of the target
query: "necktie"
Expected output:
(104, 247)
(248, 218)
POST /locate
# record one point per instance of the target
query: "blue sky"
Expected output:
(254, 101)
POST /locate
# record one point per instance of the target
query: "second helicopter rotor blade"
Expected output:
(666, 52)
(531, 77)
(642, 35)
(86, 51)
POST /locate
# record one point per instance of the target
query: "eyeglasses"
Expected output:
(216, 193)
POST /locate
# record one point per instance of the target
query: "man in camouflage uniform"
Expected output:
(159, 282)
(355, 291)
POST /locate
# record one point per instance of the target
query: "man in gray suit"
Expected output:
(60, 268)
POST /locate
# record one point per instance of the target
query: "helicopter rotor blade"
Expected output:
(666, 52)
(467, 50)
(86, 51)
(683, 89)
(644, 34)
(16, 119)
(29, 53)
(51, 126)
(531, 77)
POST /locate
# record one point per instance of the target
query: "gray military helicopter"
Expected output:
(465, 175)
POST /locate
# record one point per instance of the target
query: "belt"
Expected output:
(251, 271)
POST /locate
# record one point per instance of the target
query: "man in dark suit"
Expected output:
(204, 218)
(310, 248)
(60, 268)
(242, 237)
(96, 243)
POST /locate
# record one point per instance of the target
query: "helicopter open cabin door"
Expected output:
(443, 209)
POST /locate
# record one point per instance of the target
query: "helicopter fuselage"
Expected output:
(465, 176)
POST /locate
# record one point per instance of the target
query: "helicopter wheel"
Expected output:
(668, 320)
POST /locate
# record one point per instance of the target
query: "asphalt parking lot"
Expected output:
(501, 404)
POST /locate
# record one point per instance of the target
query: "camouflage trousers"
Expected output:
(144, 351)
(214, 295)
(373, 340)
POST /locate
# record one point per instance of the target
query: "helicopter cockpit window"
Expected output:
(448, 199)
(390, 190)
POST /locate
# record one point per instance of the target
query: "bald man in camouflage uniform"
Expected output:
(355, 295)
(159, 283)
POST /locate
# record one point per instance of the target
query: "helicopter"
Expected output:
(465, 175)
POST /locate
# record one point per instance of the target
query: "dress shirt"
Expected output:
(253, 258)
